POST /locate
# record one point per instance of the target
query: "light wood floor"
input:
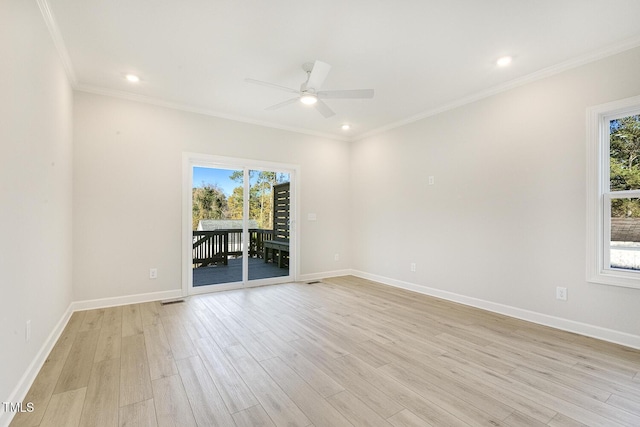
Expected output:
(342, 352)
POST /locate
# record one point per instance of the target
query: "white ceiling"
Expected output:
(420, 56)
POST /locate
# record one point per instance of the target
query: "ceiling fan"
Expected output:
(310, 93)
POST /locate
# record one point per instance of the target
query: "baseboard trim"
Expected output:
(610, 335)
(124, 300)
(323, 275)
(21, 390)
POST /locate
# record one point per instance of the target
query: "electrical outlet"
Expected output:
(432, 180)
(412, 267)
(561, 293)
(336, 257)
(27, 331)
(153, 273)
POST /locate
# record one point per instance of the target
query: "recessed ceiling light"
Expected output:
(308, 99)
(132, 78)
(346, 126)
(504, 61)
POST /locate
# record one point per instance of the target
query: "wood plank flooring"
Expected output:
(342, 352)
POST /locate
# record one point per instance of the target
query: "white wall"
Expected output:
(505, 220)
(35, 190)
(127, 191)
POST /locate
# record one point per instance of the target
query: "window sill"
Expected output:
(625, 279)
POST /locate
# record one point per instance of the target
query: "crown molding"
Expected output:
(58, 41)
(512, 84)
(97, 90)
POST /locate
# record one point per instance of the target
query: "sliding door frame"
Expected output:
(189, 160)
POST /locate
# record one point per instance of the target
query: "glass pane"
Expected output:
(625, 234)
(217, 226)
(624, 153)
(269, 202)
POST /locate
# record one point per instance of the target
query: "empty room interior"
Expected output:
(419, 213)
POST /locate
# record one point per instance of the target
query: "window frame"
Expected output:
(599, 195)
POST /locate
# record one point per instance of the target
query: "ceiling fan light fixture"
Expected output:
(308, 99)
(310, 92)
(132, 78)
(346, 126)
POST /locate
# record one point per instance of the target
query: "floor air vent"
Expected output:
(172, 301)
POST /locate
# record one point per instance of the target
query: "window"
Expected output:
(613, 214)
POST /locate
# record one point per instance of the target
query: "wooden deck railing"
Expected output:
(211, 247)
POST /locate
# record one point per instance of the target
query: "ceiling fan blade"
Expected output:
(271, 85)
(318, 74)
(282, 104)
(324, 109)
(346, 94)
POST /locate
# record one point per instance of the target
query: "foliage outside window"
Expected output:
(624, 183)
(614, 194)
(210, 201)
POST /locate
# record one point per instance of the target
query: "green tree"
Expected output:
(235, 203)
(209, 202)
(624, 164)
(260, 195)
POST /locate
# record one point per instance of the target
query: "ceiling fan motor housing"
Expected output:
(310, 92)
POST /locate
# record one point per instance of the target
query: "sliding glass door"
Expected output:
(238, 223)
